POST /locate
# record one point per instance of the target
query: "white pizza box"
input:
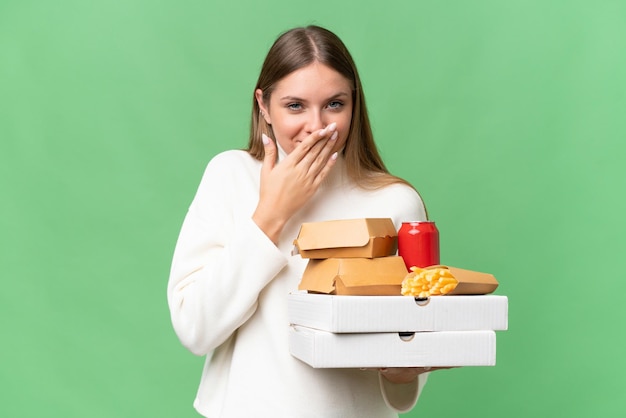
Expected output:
(322, 349)
(359, 314)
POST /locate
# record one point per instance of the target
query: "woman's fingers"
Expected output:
(313, 145)
(318, 159)
(314, 159)
(406, 374)
(269, 160)
(325, 169)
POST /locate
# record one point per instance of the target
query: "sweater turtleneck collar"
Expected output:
(281, 152)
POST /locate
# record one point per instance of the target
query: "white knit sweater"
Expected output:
(227, 295)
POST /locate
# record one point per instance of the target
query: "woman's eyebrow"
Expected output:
(299, 99)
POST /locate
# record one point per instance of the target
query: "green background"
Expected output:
(508, 116)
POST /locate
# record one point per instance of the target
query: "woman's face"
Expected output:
(305, 101)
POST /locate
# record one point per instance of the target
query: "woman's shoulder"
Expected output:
(229, 165)
(232, 158)
(406, 199)
(400, 189)
(231, 161)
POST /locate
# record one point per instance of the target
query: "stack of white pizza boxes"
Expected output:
(349, 312)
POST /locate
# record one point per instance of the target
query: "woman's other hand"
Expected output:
(406, 374)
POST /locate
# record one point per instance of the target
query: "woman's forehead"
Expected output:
(314, 80)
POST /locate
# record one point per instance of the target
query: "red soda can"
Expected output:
(418, 244)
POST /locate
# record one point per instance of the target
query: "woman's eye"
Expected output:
(294, 106)
(335, 104)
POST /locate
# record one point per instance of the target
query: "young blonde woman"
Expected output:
(311, 157)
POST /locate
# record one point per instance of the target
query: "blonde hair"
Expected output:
(296, 49)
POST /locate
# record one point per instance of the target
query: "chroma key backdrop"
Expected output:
(507, 116)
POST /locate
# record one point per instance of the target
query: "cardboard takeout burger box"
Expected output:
(354, 276)
(322, 349)
(364, 314)
(353, 238)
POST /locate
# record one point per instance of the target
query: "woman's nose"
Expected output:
(314, 122)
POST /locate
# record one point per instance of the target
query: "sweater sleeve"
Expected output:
(221, 262)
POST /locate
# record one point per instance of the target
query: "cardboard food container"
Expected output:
(322, 349)
(472, 282)
(354, 276)
(361, 314)
(348, 238)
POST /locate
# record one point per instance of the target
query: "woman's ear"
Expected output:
(258, 94)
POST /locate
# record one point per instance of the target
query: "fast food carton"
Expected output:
(347, 238)
(354, 276)
(368, 314)
(322, 349)
(381, 276)
(470, 282)
(473, 282)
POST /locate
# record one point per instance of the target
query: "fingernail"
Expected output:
(332, 126)
(334, 156)
(334, 136)
(323, 132)
(265, 139)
